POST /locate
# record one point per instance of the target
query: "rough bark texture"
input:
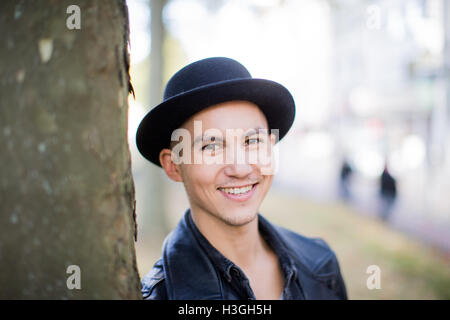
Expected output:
(66, 190)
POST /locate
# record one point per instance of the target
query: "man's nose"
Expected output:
(236, 162)
(238, 170)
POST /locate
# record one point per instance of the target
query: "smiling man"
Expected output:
(215, 132)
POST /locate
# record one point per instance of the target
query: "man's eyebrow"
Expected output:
(256, 130)
(249, 132)
(206, 138)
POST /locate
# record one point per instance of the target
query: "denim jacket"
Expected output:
(192, 269)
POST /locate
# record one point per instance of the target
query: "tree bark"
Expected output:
(66, 189)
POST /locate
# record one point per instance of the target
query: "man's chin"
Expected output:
(239, 219)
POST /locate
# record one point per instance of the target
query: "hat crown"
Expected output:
(204, 72)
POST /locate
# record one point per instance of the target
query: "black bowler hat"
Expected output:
(205, 83)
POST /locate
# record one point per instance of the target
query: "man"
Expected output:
(214, 132)
(388, 193)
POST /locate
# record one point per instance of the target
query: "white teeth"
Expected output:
(237, 190)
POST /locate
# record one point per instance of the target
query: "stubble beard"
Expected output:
(233, 219)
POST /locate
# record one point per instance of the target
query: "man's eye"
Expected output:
(210, 147)
(253, 141)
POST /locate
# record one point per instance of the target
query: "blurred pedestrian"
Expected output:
(388, 193)
(344, 180)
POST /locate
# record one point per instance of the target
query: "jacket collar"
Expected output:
(187, 264)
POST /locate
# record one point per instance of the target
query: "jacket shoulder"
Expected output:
(153, 284)
(313, 252)
(316, 257)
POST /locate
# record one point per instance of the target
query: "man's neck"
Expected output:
(240, 244)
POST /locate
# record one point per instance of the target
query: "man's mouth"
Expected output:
(239, 193)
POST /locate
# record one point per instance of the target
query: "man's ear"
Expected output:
(172, 170)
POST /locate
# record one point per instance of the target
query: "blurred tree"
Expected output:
(66, 190)
(155, 191)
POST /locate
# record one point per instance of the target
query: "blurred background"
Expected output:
(366, 165)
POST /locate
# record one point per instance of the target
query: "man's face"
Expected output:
(225, 183)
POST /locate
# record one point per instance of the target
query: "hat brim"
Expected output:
(155, 130)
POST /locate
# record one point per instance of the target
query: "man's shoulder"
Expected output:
(153, 284)
(316, 259)
(313, 253)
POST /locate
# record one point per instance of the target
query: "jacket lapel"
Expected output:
(189, 273)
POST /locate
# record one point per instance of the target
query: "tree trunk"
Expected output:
(66, 190)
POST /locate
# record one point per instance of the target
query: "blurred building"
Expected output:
(392, 94)
(391, 80)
